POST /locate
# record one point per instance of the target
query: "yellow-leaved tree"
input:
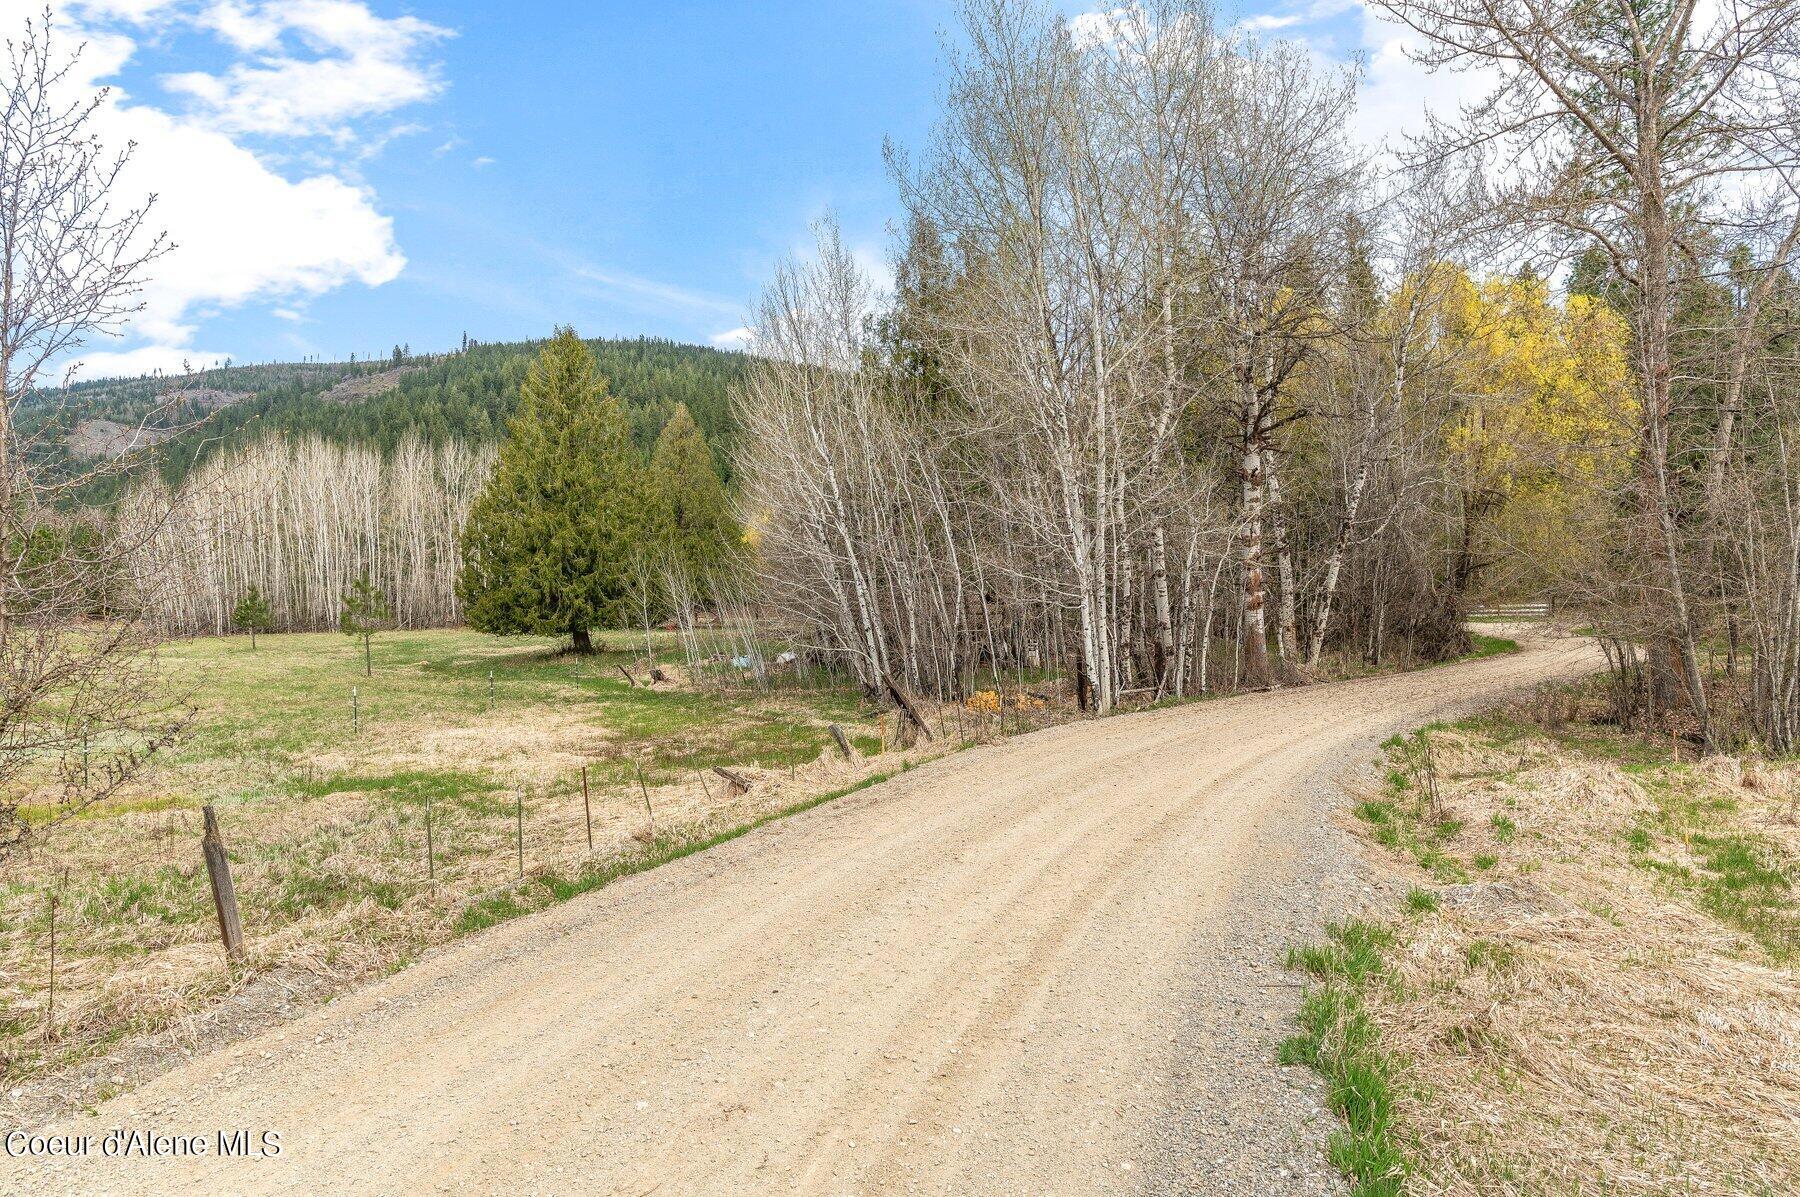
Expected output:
(1539, 433)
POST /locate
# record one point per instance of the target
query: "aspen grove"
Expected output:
(1166, 399)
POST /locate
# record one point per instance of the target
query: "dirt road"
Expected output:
(1046, 966)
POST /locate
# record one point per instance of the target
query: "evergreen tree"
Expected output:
(253, 614)
(692, 514)
(365, 612)
(548, 542)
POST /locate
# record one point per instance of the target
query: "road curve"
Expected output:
(999, 973)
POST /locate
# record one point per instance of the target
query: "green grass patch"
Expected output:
(1744, 881)
(1489, 646)
(1686, 837)
(1421, 901)
(1338, 1039)
(1402, 818)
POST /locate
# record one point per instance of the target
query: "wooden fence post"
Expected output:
(50, 1011)
(355, 712)
(907, 705)
(521, 825)
(587, 809)
(430, 861)
(642, 789)
(490, 705)
(218, 870)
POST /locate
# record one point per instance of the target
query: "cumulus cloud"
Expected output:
(1398, 93)
(1098, 28)
(318, 65)
(247, 227)
(243, 231)
(735, 338)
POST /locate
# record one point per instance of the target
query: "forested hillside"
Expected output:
(462, 396)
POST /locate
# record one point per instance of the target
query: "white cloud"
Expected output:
(353, 64)
(1395, 94)
(1100, 28)
(1269, 21)
(129, 10)
(482, 163)
(736, 338)
(147, 359)
(246, 228)
(1398, 93)
(243, 25)
(876, 266)
(649, 295)
(242, 230)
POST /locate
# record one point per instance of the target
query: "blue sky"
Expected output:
(345, 175)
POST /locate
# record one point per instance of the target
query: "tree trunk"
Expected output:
(1250, 555)
(1159, 587)
(584, 643)
(1657, 501)
(1287, 633)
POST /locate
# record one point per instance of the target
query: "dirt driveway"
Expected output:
(1045, 966)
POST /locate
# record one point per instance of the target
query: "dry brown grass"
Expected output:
(537, 746)
(1584, 1017)
(333, 886)
(326, 831)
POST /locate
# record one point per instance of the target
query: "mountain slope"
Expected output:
(467, 395)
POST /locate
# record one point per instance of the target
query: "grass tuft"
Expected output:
(1338, 1039)
(1421, 901)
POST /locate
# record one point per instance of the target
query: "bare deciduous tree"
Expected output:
(1631, 128)
(83, 706)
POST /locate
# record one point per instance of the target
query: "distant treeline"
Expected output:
(466, 396)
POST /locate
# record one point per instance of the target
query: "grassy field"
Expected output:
(1589, 986)
(322, 778)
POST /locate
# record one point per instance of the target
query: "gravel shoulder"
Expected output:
(1047, 965)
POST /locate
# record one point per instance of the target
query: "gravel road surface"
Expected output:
(1045, 966)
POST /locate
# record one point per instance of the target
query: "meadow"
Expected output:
(323, 781)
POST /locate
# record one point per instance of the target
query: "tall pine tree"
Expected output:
(548, 543)
(692, 513)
